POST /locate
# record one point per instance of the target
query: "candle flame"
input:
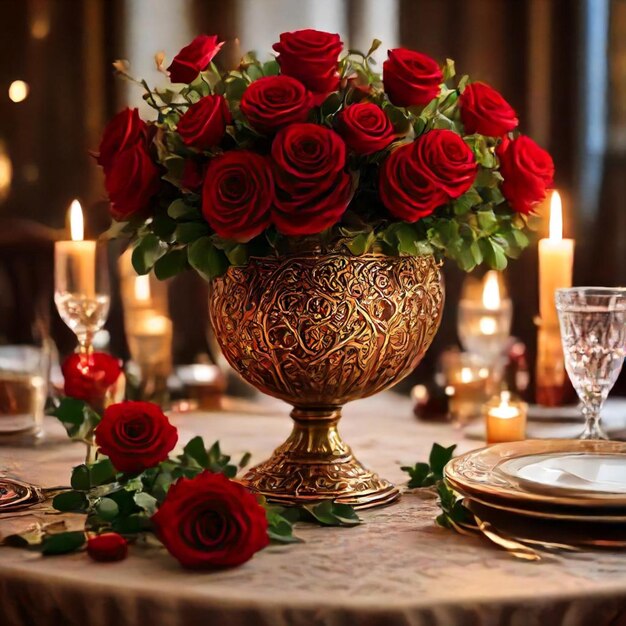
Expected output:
(142, 288)
(77, 228)
(466, 375)
(556, 217)
(491, 291)
(505, 398)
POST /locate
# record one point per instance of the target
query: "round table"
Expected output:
(397, 568)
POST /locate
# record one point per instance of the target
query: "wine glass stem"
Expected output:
(85, 343)
(593, 428)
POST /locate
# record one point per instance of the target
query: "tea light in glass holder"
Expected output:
(505, 418)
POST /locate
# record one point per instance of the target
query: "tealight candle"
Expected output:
(506, 419)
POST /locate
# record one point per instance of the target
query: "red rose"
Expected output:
(204, 123)
(404, 190)
(123, 130)
(89, 377)
(237, 194)
(365, 127)
(485, 111)
(311, 56)
(210, 521)
(312, 186)
(194, 58)
(275, 101)
(135, 435)
(107, 547)
(528, 172)
(411, 78)
(418, 177)
(131, 182)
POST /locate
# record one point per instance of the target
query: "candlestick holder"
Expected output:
(81, 288)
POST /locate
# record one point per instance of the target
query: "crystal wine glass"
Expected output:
(593, 332)
(82, 292)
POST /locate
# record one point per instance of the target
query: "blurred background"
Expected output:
(560, 63)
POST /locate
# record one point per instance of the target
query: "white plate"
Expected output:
(590, 473)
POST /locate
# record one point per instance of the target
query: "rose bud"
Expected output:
(194, 58)
(135, 436)
(107, 547)
(88, 378)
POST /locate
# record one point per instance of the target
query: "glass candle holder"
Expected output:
(505, 418)
(81, 282)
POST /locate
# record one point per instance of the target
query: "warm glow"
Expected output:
(18, 91)
(466, 375)
(6, 174)
(142, 288)
(487, 326)
(556, 217)
(491, 291)
(77, 228)
(505, 410)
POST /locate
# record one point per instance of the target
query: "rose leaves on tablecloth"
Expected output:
(428, 474)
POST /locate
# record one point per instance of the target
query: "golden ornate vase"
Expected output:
(319, 330)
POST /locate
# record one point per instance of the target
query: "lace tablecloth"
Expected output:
(397, 568)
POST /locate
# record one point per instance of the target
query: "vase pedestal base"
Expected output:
(315, 464)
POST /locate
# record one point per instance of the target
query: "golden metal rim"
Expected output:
(474, 472)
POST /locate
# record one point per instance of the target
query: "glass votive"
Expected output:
(205, 383)
(23, 390)
(505, 418)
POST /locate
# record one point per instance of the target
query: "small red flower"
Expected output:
(107, 547)
(135, 435)
(411, 78)
(528, 172)
(89, 377)
(237, 194)
(210, 521)
(204, 123)
(194, 58)
(365, 128)
(485, 111)
(275, 101)
(312, 57)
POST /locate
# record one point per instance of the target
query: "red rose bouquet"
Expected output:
(315, 148)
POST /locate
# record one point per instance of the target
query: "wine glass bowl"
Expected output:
(593, 333)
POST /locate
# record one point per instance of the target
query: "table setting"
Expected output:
(321, 199)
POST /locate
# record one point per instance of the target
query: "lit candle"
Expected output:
(506, 419)
(76, 259)
(556, 260)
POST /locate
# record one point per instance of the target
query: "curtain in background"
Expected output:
(561, 63)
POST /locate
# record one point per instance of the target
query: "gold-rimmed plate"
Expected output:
(478, 473)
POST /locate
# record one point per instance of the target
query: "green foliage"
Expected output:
(77, 417)
(431, 473)
(62, 543)
(452, 509)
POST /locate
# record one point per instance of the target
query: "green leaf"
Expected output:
(331, 105)
(237, 255)
(420, 475)
(448, 70)
(70, 502)
(361, 243)
(279, 525)
(80, 478)
(328, 513)
(187, 232)
(493, 254)
(464, 203)
(196, 450)
(180, 210)
(107, 509)
(235, 87)
(62, 543)
(78, 418)
(101, 472)
(163, 226)
(271, 68)
(245, 459)
(439, 458)
(487, 220)
(206, 259)
(146, 253)
(170, 264)
(146, 502)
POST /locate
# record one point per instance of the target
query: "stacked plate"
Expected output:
(568, 491)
